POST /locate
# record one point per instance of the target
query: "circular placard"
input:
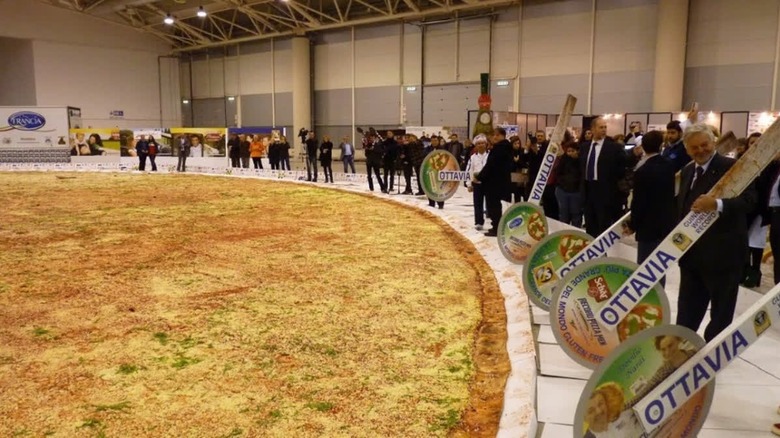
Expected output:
(544, 261)
(521, 227)
(439, 160)
(579, 297)
(628, 374)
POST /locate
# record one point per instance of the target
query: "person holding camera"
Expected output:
(374, 153)
(311, 157)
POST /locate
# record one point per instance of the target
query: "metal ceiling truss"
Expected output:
(236, 21)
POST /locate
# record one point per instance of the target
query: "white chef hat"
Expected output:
(479, 138)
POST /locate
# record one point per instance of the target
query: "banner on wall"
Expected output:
(115, 141)
(203, 142)
(427, 131)
(33, 127)
(511, 130)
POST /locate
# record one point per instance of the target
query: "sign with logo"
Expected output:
(440, 175)
(26, 127)
(544, 261)
(578, 299)
(598, 247)
(521, 227)
(34, 134)
(630, 372)
(661, 404)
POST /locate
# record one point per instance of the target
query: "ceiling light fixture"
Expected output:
(202, 12)
(168, 19)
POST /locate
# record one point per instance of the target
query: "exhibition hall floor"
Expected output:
(747, 393)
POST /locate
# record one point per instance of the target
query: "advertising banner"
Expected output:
(681, 387)
(24, 127)
(522, 226)
(440, 175)
(545, 260)
(580, 296)
(203, 142)
(631, 371)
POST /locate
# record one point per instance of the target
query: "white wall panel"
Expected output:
(283, 59)
(216, 77)
(255, 73)
(127, 80)
(727, 32)
(231, 76)
(548, 50)
(35, 20)
(625, 48)
(506, 42)
(200, 79)
(440, 53)
(184, 80)
(378, 60)
(412, 62)
(333, 66)
(474, 50)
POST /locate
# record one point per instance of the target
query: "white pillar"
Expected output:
(670, 46)
(301, 85)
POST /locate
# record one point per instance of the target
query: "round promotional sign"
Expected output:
(579, 297)
(439, 175)
(521, 227)
(549, 255)
(628, 374)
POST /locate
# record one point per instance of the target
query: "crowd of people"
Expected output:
(658, 176)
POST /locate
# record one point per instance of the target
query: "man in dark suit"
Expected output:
(711, 270)
(496, 178)
(653, 207)
(603, 167)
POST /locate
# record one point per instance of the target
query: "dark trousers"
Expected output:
(774, 240)
(417, 172)
(375, 168)
(154, 165)
(698, 289)
(327, 169)
(600, 211)
(407, 178)
(550, 202)
(245, 162)
(181, 165)
(285, 163)
(258, 162)
(141, 161)
(349, 160)
(569, 207)
(388, 170)
(493, 203)
(433, 203)
(479, 204)
(644, 249)
(235, 162)
(311, 168)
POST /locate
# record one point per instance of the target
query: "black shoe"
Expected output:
(491, 233)
(419, 194)
(441, 207)
(384, 191)
(407, 192)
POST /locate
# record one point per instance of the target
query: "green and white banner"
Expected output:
(550, 254)
(631, 371)
(678, 388)
(583, 292)
(521, 227)
(440, 175)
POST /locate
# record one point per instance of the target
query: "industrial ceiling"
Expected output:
(201, 24)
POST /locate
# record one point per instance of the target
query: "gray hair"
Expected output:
(698, 128)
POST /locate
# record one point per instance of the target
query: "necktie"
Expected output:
(699, 173)
(591, 171)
